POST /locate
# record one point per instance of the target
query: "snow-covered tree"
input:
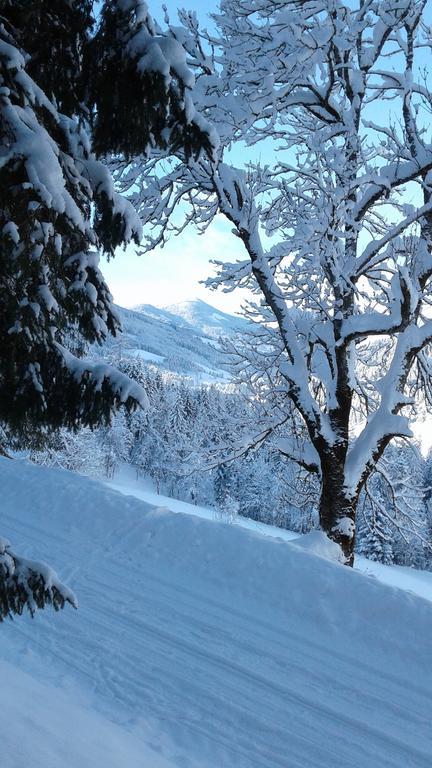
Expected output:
(28, 585)
(140, 87)
(59, 210)
(336, 223)
(374, 533)
(50, 281)
(392, 524)
(402, 474)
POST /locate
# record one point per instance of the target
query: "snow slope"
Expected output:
(206, 645)
(408, 579)
(57, 726)
(170, 342)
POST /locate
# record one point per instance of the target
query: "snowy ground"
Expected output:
(202, 645)
(409, 579)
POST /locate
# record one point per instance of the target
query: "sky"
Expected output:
(174, 273)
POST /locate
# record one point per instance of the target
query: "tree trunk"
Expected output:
(336, 510)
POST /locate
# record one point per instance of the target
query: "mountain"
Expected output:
(207, 319)
(201, 644)
(183, 339)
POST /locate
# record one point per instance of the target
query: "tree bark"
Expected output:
(337, 511)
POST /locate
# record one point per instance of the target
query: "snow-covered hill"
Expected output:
(202, 645)
(174, 344)
(207, 319)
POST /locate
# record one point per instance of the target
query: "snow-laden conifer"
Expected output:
(60, 211)
(140, 87)
(28, 585)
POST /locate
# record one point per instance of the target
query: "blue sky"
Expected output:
(202, 7)
(172, 274)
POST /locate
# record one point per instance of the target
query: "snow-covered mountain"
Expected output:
(183, 339)
(207, 319)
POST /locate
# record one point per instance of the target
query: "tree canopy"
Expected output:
(335, 221)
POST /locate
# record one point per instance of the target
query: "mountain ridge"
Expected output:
(169, 341)
(214, 322)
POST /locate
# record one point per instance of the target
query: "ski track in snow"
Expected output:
(177, 646)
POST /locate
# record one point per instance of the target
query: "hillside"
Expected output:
(209, 320)
(175, 344)
(201, 645)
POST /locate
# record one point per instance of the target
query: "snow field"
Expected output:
(202, 645)
(51, 726)
(403, 577)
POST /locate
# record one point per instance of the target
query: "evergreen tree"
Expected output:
(25, 584)
(115, 443)
(50, 281)
(59, 210)
(256, 489)
(409, 510)
(225, 486)
(137, 71)
(375, 537)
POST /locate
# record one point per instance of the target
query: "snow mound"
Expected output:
(208, 644)
(317, 543)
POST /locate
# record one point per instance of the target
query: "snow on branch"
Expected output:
(29, 585)
(381, 425)
(401, 306)
(101, 375)
(387, 421)
(303, 454)
(145, 76)
(375, 252)
(391, 176)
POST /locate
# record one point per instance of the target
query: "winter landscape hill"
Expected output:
(182, 339)
(213, 322)
(198, 644)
